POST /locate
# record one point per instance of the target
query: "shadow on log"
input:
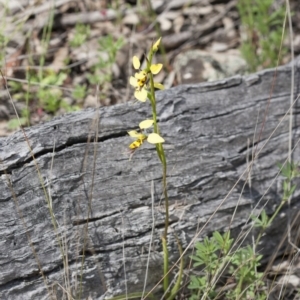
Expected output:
(101, 201)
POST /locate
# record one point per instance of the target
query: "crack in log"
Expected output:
(71, 142)
(92, 220)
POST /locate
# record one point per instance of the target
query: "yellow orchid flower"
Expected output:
(140, 138)
(141, 77)
(138, 82)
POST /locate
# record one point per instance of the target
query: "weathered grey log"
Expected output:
(83, 159)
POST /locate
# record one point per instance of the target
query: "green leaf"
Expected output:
(15, 123)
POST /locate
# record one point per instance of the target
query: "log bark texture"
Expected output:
(101, 200)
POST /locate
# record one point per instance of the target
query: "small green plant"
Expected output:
(17, 89)
(41, 92)
(289, 171)
(42, 88)
(102, 71)
(217, 259)
(214, 255)
(49, 94)
(3, 43)
(14, 123)
(3, 36)
(82, 33)
(262, 26)
(243, 268)
(79, 92)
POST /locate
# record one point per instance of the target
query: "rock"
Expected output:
(197, 66)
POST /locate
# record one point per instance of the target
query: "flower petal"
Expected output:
(134, 133)
(136, 62)
(141, 95)
(133, 81)
(159, 86)
(154, 138)
(140, 75)
(146, 124)
(156, 44)
(155, 69)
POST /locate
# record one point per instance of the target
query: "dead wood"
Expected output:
(88, 17)
(211, 130)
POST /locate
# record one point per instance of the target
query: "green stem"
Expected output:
(270, 221)
(161, 154)
(166, 264)
(132, 296)
(176, 287)
(164, 163)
